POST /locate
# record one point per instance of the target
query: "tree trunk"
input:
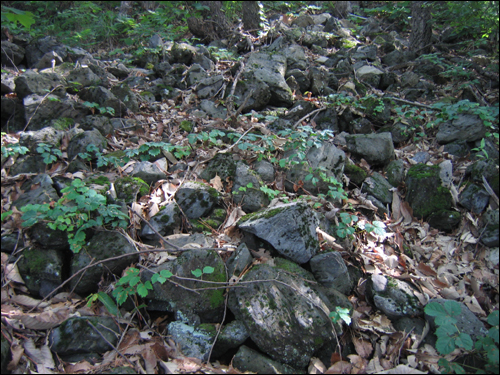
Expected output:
(125, 7)
(342, 8)
(421, 30)
(250, 15)
(213, 24)
(218, 18)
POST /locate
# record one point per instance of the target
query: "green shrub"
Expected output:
(449, 336)
(79, 209)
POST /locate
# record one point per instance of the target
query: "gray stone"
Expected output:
(464, 128)
(376, 149)
(330, 271)
(379, 187)
(289, 228)
(196, 199)
(474, 198)
(193, 342)
(249, 360)
(395, 172)
(393, 297)
(288, 324)
(62, 339)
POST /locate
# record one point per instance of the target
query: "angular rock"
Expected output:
(376, 149)
(207, 303)
(330, 271)
(287, 321)
(464, 128)
(249, 360)
(393, 297)
(378, 186)
(62, 339)
(425, 192)
(289, 228)
(196, 199)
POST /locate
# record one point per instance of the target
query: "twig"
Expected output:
(115, 258)
(38, 106)
(308, 115)
(104, 338)
(239, 139)
(156, 232)
(408, 102)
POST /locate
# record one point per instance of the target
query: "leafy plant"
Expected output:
(340, 313)
(129, 285)
(271, 193)
(77, 210)
(481, 151)
(13, 149)
(102, 160)
(344, 228)
(243, 189)
(102, 110)
(347, 226)
(206, 270)
(449, 336)
(49, 153)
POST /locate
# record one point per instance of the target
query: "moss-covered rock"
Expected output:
(425, 193)
(128, 189)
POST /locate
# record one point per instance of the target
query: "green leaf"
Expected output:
(108, 303)
(434, 309)
(445, 344)
(134, 281)
(493, 318)
(166, 274)
(197, 272)
(453, 308)
(142, 289)
(208, 269)
(464, 341)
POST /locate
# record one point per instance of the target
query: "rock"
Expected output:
(251, 198)
(41, 270)
(395, 172)
(376, 149)
(369, 75)
(265, 170)
(79, 143)
(444, 220)
(196, 199)
(232, 336)
(62, 338)
(208, 303)
(474, 198)
(289, 228)
(193, 341)
(249, 360)
(425, 193)
(393, 297)
(165, 222)
(490, 228)
(221, 165)
(330, 271)
(327, 157)
(464, 128)
(356, 174)
(103, 245)
(379, 187)
(288, 324)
